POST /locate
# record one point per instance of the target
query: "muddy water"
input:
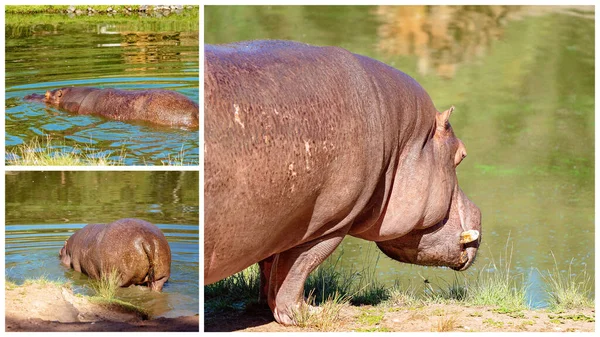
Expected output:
(107, 52)
(522, 82)
(43, 209)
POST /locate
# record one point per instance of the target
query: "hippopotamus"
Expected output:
(305, 145)
(136, 249)
(161, 107)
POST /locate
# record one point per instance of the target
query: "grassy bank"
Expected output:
(185, 19)
(332, 288)
(99, 9)
(48, 153)
(52, 153)
(104, 293)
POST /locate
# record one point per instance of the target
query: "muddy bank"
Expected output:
(51, 307)
(427, 318)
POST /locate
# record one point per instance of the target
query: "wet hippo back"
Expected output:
(162, 107)
(134, 248)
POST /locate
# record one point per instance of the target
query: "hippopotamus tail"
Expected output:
(148, 249)
(158, 269)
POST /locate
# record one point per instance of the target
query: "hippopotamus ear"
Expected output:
(442, 119)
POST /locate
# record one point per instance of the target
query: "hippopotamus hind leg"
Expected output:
(290, 270)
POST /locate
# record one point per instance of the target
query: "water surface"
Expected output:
(105, 52)
(522, 81)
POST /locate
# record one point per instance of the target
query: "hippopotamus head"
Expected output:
(446, 229)
(69, 99)
(64, 257)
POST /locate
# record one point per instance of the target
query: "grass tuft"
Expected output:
(106, 287)
(445, 323)
(119, 305)
(567, 290)
(105, 290)
(322, 318)
(499, 288)
(35, 153)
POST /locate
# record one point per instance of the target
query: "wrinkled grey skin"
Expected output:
(162, 107)
(305, 145)
(137, 250)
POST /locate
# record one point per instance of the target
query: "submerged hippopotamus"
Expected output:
(305, 145)
(137, 250)
(162, 107)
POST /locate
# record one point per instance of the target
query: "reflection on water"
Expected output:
(43, 209)
(119, 53)
(445, 37)
(522, 81)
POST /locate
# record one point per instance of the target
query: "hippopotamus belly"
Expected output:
(135, 249)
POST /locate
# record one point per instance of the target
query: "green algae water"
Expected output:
(43, 209)
(522, 81)
(50, 51)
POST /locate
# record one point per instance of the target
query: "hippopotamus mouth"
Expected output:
(469, 242)
(451, 243)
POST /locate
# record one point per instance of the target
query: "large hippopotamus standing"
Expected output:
(137, 250)
(305, 145)
(162, 107)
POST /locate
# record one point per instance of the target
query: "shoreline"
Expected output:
(46, 306)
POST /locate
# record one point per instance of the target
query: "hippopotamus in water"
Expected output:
(137, 250)
(305, 145)
(162, 107)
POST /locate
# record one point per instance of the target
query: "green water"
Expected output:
(522, 82)
(43, 209)
(46, 52)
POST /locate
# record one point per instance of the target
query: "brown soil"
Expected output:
(49, 307)
(435, 317)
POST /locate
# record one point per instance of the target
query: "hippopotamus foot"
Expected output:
(289, 271)
(157, 285)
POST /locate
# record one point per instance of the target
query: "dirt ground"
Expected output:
(435, 317)
(48, 307)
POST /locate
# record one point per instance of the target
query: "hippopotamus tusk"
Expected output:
(469, 236)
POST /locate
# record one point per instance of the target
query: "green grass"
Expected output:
(106, 287)
(322, 318)
(27, 16)
(498, 288)
(234, 292)
(44, 280)
(494, 286)
(54, 9)
(35, 153)
(105, 294)
(119, 305)
(10, 285)
(568, 290)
